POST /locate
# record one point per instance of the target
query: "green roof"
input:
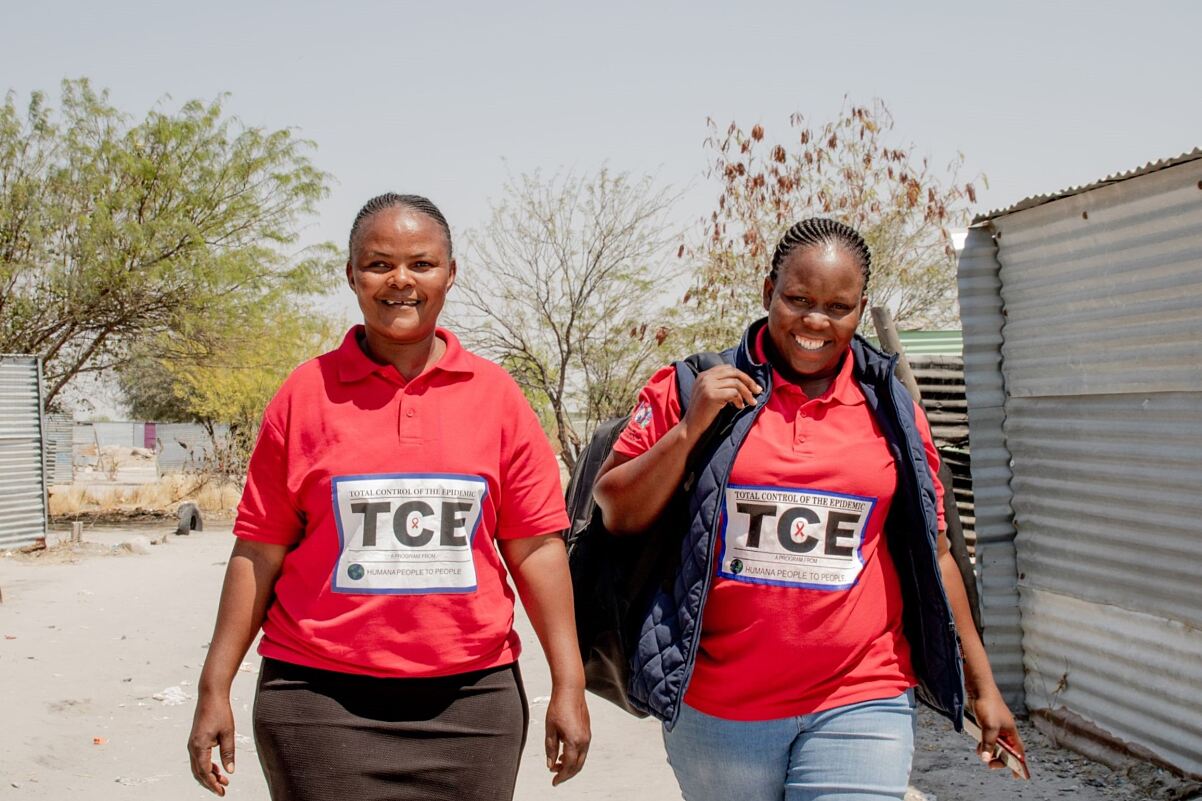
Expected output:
(930, 343)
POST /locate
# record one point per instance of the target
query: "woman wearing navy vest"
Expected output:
(816, 595)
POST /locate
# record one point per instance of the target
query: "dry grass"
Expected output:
(160, 497)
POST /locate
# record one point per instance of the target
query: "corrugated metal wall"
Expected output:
(936, 359)
(59, 453)
(112, 453)
(182, 446)
(981, 318)
(22, 487)
(119, 434)
(177, 446)
(941, 381)
(1102, 357)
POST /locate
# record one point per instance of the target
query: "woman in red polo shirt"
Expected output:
(387, 476)
(801, 684)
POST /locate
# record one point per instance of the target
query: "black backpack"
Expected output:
(614, 578)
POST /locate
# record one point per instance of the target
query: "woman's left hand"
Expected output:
(568, 733)
(997, 723)
(539, 566)
(993, 715)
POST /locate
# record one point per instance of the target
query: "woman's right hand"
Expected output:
(249, 578)
(633, 492)
(714, 389)
(212, 725)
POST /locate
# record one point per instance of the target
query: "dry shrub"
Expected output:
(162, 494)
(103, 497)
(212, 495)
(218, 497)
(67, 501)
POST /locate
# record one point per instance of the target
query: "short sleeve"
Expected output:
(531, 494)
(933, 461)
(267, 512)
(655, 413)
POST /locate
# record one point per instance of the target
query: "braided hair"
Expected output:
(819, 231)
(391, 200)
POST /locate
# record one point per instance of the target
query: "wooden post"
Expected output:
(886, 332)
(77, 532)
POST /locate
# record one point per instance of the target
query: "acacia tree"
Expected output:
(846, 169)
(560, 288)
(115, 231)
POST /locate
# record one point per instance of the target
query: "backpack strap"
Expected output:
(687, 370)
(579, 495)
(580, 503)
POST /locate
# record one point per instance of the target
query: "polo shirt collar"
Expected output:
(843, 389)
(355, 365)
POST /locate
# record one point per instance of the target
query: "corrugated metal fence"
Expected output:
(59, 454)
(1083, 336)
(941, 380)
(183, 446)
(981, 318)
(22, 482)
(177, 446)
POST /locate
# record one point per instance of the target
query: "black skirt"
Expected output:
(323, 736)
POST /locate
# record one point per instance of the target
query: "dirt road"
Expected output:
(100, 653)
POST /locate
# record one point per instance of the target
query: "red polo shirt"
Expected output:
(804, 609)
(390, 494)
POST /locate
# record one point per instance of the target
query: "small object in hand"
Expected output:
(1001, 749)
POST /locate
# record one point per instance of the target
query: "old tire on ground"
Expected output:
(189, 519)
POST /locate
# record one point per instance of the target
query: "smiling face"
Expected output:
(814, 305)
(400, 270)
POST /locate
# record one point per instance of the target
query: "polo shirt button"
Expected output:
(409, 413)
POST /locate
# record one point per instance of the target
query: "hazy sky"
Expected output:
(443, 99)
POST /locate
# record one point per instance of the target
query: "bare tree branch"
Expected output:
(564, 268)
(846, 169)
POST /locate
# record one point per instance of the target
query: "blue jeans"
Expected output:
(859, 752)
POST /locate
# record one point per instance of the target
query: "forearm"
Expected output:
(249, 579)
(990, 708)
(978, 676)
(539, 566)
(633, 493)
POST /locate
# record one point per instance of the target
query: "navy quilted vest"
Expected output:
(667, 647)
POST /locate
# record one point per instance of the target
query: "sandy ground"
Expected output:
(100, 650)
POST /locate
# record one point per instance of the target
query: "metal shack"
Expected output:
(22, 477)
(1082, 321)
